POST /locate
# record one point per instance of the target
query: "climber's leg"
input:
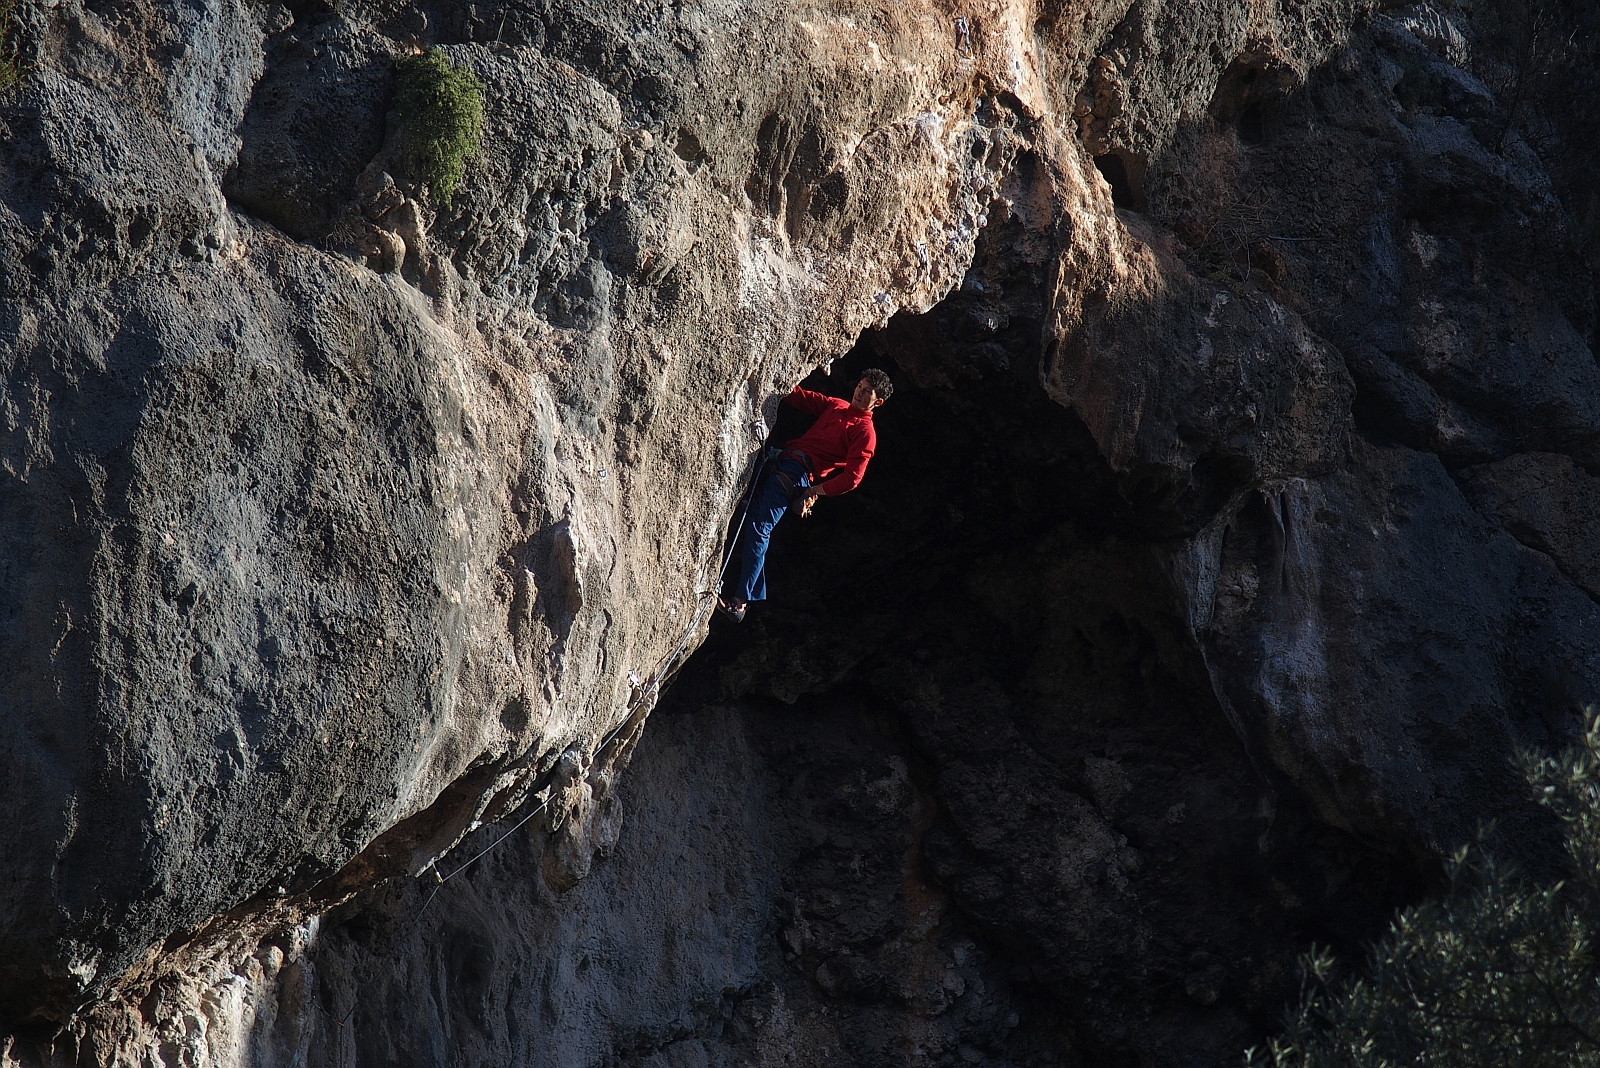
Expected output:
(772, 500)
(769, 506)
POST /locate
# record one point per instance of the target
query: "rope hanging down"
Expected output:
(479, 855)
(664, 667)
(708, 598)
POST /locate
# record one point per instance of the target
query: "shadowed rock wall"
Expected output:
(1220, 551)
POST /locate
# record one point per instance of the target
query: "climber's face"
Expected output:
(865, 398)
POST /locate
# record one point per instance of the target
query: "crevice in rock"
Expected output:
(1249, 94)
(1124, 172)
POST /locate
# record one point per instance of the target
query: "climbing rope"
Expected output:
(707, 599)
(663, 667)
(514, 828)
(339, 1035)
(479, 855)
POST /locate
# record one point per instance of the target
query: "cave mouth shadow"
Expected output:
(961, 467)
(991, 555)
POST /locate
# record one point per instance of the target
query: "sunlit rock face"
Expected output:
(1231, 526)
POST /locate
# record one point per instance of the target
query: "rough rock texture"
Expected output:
(1232, 525)
(309, 567)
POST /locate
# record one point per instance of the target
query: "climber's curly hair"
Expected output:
(879, 382)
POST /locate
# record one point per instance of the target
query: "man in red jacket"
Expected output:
(825, 461)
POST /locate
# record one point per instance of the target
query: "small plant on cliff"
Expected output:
(10, 64)
(441, 109)
(1497, 972)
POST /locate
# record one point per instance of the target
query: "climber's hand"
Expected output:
(808, 497)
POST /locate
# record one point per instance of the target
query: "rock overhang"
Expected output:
(631, 284)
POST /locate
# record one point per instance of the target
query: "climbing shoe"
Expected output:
(734, 610)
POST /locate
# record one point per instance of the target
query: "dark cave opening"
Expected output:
(988, 606)
(1124, 174)
(1249, 94)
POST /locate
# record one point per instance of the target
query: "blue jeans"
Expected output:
(771, 501)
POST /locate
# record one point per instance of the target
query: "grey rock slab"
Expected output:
(239, 649)
(236, 462)
(1388, 651)
(316, 118)
(1547, 502)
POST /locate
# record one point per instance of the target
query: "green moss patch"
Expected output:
(441, 109)
(10, 66)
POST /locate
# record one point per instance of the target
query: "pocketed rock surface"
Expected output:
(1233, 523)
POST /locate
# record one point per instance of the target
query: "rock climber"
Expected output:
(825, 461)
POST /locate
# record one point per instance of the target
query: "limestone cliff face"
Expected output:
(1231, 529)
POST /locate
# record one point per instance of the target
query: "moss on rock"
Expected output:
(10, 64)
(441, 107)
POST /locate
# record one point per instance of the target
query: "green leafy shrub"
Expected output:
(1497, 972)
(441, 110)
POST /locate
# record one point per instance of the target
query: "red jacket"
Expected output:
(839, 444)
